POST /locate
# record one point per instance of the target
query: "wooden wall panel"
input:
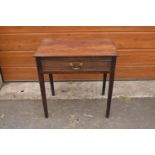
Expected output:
(127, 57)
(122, 73)
(134, 57)
(59, 29)
(17, 58)
(136, 48)
(123, 40)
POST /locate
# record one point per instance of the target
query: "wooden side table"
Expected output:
(76, 56)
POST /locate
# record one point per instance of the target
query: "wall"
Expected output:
(136, 48)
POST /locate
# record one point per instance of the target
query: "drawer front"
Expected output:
(76, 65)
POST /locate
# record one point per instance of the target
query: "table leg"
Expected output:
(52, 84)
(104, 83)
(42, 88)
(111, 82)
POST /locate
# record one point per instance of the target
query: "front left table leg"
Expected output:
(42, 87)
(111, 82)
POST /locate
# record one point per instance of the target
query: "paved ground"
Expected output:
(77, 90)
(78, 105)
(83, 113)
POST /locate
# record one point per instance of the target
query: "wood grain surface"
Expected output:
(122, 73)
(122, 40)
(51, 29)
(135, 44)
(76, 48)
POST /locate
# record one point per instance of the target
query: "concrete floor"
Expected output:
(85, 113)
(77, 90)
(78, 105)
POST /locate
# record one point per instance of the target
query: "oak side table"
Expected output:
(76, 56)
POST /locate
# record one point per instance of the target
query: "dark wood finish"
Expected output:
(80, 64)
(74, 48)
(42, 86)
(110, 90)
(52, 84)
(61, 56)
(104, 83)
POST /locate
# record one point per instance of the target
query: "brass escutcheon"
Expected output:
(76, 65)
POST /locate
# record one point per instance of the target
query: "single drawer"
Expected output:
(76, 65)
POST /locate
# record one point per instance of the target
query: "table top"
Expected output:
(76, 48)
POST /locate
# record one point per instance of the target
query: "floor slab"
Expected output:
(77, 90)
(78, 114)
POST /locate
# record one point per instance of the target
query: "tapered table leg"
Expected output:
(111, 82)
(104, 83)
(42, 88)
(52, 84)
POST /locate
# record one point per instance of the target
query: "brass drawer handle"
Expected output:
(76, 65)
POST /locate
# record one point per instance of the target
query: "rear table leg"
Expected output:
(52, 84)
(104, 83)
